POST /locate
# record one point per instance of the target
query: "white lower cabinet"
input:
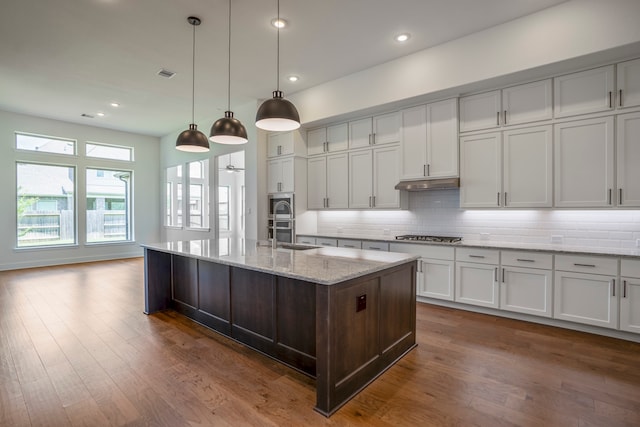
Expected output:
(477, 281)
(306, 240)
(526, 285)
(630, 296)
(582, 297)
(324, 241)
(434, 278)
(376, 246)
(350, 243)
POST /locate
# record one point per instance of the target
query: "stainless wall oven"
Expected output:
(282, 217)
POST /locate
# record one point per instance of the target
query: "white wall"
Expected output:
(568, 36)
(254, 172)
(146, 189)
(439, 213)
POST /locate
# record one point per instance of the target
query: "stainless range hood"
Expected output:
(429, 184)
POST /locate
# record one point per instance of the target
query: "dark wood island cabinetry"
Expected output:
(341, 316)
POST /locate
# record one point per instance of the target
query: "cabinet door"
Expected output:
(477, 284)
(442, 139)
(481, 111)
(480, 171)
(585, 92)
(628, 160)
(386, 174)
(316, 182)
(530, 102)
(414, 143)
(386, 128)
(528, 167)
(584, 163)
(628, 84)
(279, 144)
(316, 139)
(350, 243)
(337, 178)
(585, 298)
(360, 133)
(437, 279)
(288, 177)
(360, 178)
(338, 137)
(630, 305)
(526, 290)
(274, 175)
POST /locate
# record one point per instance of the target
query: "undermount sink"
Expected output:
(295, 246)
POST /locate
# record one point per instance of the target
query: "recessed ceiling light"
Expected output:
(278, 23)
(115, 104)
(100, 114)
(403, 37)
(294, 78)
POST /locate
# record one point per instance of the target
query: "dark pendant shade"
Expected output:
(277, 114)
(192, 140)
(228, 130)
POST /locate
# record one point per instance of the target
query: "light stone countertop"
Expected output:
(487, 244)
(322, 265)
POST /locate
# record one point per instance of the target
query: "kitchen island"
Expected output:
(341, 316)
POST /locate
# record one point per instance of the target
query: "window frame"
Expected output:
(102, 144)
(48, 153)
(129, 210)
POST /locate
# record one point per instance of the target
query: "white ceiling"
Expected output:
(62, 58)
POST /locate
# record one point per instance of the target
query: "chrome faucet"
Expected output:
(274, 241)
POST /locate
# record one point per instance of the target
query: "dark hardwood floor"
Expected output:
(76, 349)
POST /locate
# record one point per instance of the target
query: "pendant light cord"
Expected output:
(229, 64)
(193, 75)
(278, 50)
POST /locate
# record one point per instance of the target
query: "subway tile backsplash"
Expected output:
(438, 213)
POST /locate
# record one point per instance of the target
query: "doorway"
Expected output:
(230, 194)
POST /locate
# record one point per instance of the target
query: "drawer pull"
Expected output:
(374, 248)
(476, 256)
(348, 246)
(525, 260)
(624, 289)
(495, 275)
(584, 265)
(613, 287)
(326, 244)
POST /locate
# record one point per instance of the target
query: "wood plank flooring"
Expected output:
(76, 349)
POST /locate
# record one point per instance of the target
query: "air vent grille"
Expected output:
(166, 73)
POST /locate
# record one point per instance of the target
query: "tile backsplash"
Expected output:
(439, 213)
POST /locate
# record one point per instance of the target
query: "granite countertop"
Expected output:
(322, 265)
(537, 247)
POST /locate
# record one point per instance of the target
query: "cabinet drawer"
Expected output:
(481, 256)
(376, 246)
(323, 241)
(349, 243)
(586, 264)
(425, 251)
(306, 240)
(527, 259)
(630, 268)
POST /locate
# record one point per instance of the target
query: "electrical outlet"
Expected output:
(484, 236)
(556, 238)
(361, 303)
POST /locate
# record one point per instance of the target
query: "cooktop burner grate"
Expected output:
(422, 238)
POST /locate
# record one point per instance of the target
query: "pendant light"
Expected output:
(277, 113)
(228, 130)
(192, 139)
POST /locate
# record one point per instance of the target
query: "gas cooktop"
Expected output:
(422, 238)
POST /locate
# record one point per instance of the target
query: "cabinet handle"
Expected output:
(428, 169)
(620, 97)
(374, 201)
(524, 260)
(374, 248)
(424, 170)
(505, 198)
(279, 149)
(503, 275)
(348, 246)
(476, 256)
(609, 196)
(498, 118)
(498, 198)
(504, 118)
(327, 202)
(584, 265)
(624, 289)
(369, 201)
(495, 275)
(610, 102)
(326, 244)
(620, 196)
(373, 138)
(613, 287)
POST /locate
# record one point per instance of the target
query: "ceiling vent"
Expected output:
(88, 116)
(166, 73)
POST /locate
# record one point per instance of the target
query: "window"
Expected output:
(112, 152)
(45, 144)
(223, 207)
(199, 194)
(108, 205)
(174, 196)
(45, 205)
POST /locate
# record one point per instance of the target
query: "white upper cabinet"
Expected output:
(628, 84)
(386, 168)
(514, 105)
(584, 163)
(528, 167)
(284, 144)
(317, 182)
(414, 142)
(330, 139)
(327, 178)
(628, 160)
(280, 175)
(383, 129)
(481, 170)
(527, 103)
(481, 111)
(589, 91)
(360, 179)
